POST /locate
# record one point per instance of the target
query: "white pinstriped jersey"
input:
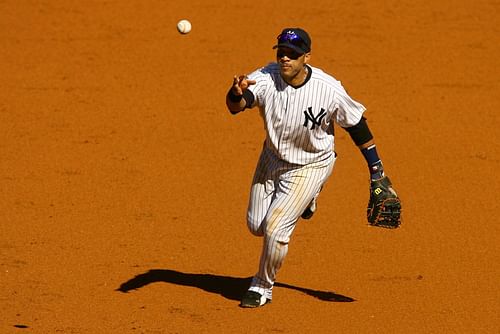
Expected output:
(298, 120)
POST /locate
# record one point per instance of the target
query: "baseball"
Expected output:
(184, 26)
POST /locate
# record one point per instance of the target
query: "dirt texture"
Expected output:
(124, 179)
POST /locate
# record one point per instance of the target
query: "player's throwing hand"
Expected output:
(235, 99)
(240, 84)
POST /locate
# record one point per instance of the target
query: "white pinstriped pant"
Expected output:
(280, 193)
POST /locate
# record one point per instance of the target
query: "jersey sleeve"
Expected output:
(347, 111)
(261, 77)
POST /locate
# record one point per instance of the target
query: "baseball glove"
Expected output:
(384, 206)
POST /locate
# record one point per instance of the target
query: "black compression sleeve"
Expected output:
(234, 98)
(360, 133)
(249, 98)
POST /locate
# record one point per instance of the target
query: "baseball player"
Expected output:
(299, 104)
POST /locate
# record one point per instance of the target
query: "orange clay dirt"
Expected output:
(124, 179)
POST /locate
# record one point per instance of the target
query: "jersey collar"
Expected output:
(309, 73)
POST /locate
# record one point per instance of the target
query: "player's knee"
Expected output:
(277, 235)
(255, 226)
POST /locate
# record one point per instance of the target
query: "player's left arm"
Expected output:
(363, 138)
(384, 207)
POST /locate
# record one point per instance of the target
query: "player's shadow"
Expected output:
(228, 287)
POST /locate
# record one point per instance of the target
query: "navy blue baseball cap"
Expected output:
(296, 39)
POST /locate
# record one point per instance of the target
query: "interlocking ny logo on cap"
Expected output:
(289, 36)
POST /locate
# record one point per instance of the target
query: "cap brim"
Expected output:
(290, 46)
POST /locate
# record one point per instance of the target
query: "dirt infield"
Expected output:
(124, 180)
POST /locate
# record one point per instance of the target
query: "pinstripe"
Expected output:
(293, 188)
(282, 107)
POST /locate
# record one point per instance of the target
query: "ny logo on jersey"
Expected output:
(315, 120)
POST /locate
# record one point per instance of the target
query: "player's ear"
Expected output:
(307, 57)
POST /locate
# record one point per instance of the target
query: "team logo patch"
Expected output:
(315, 120)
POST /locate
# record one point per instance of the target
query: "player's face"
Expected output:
(292, 64)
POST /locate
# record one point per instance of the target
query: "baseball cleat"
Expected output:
(252, 299)
(309, 211)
